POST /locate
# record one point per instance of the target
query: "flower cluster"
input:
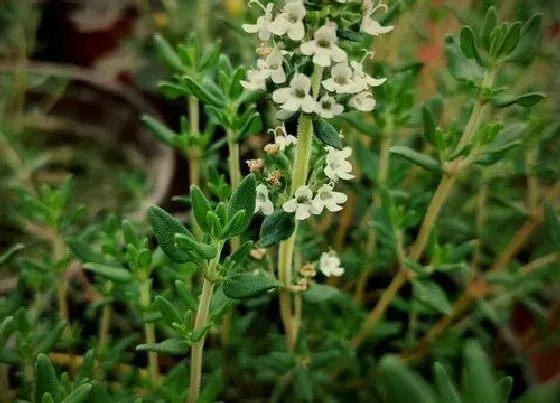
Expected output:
(338, 83)
(347, 78)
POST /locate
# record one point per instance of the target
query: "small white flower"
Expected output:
(336, 166)
(326, 198)
(256, 79)
(341, 80)
(262, 27)
(273, 66)
(282, 139)
(363, 80)
(362, 102)
(327, 107)
(302, 204)
(290, 21)
(297, 95)
(372, 27)
(262, 202)
(330, 264)
(323, 47)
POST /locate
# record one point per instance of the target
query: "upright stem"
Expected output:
(235, 174)
(57, 246)
(149, 332)
(198, 347)
(104, 324)
(193, 152)
(299, 178)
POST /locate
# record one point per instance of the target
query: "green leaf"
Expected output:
(200, 206)
(253, 125)
(162, 132)
(244, 198)
(169, 313)
(358, 123)
(169, 346)
(529, 40)
(4, 257)
(490, 22)
(319, 293)
(45, 379)
(431, 294)
(276, 227)
(83, 251)
(202, 92)
(234, 225)
(117, 274)
(424, 161)
(303, 384)
(402, 384)
(185, 295)
(47, 343)
(460, 68)
(510, 41)
(165, 227)
(79, 394)
(504, 388)
(552, 223)
(468, 44)
(526, 100)
(430, 127)
(235, 87)
(190, 246)
(248, 285)
(47, 398)
(87, 367)
(168, 54)
(445, 385)
(326, 133)
(172, 90)
(478, 382)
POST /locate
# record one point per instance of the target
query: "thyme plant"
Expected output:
(348, 233)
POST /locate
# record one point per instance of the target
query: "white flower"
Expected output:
(341, 80)
(273, 66)
(302, 203)
(297, 95)
(363, 80)
(262, 202)
(336, 166)
(290, 21)
(326, 198)
(256, 80)
(262, 27)
(362, 102)
(323, 47)
(327, 107)
(372, 27)
(282, 139)
(330, 264)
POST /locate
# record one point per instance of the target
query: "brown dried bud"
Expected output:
(271, 149)
(257, 253)
(307, 271)
(274, 178)
(255, 165)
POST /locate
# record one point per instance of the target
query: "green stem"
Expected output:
(193, 152)
(299, 178)
(234, 174)
(200, 323)
(149, 332)
(286, 249)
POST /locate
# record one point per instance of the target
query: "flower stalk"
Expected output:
(149, 332)
(200, 323)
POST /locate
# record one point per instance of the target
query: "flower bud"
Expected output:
(255, 165)
(271, 149)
